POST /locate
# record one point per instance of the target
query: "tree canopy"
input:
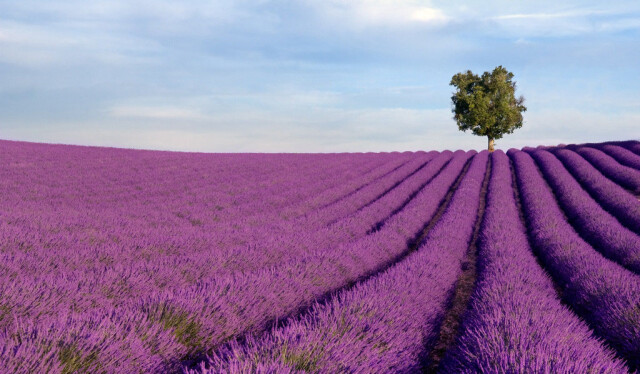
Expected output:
(486, 104)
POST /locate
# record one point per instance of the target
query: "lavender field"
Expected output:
(130, 261)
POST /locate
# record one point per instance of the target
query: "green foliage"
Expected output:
(75, 362)
(185, 328)
(486, 104)
(301, 361)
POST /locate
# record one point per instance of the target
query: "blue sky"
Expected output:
(310, 75)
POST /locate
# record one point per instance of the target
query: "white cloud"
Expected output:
(423, 14)
(566, 22)
(109, 10)
(26, 45)
(366, 13)
(620, 25)
(157, 112)
(565, 14)
(35, 45)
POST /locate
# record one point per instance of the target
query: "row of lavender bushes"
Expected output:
(353, 227)
(383, 324)
(342, 206)
(615, 199)
(348, 333)
(602, 292)
(284, 290)
(516, 323)
(158, 330)
(120, 240)
(622, 155)
(147, 273)
(304, 343)
(343, 221)
(282, 235)
(625, 176)
(602, 230)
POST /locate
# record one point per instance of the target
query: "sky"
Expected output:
(310, 75)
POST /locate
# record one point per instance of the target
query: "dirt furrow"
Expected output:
(449, 330)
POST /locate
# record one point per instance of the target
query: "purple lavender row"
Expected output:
(355, 229)
(633, 146)
(285, 288)
(284, 235)
(295, 196)
(181, 243)
(312, 184)
(163, 324)
(332, 168)
(516, 322)
(347, 189)
(622, 155)
(144, 214)
(308, 231)
(625, 176)
(602, 292)
(603, 231)
(339, 186)
(615, 199)
(275, 170)
(101, 239)
(373, 216)
(48, 347)
(359, 223)
(372, 192)
(380, 325)
(351, 227)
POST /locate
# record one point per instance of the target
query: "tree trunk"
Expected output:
(491, 144)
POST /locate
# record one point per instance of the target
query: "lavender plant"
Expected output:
(602, 292)
(374, 327)
(516, 322)
(597, 226)
(622, 155)
(615, 199)
(625, 176)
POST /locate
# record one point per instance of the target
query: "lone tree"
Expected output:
(487, 105)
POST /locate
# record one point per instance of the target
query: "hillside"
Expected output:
(118, 260)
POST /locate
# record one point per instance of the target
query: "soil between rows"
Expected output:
(449, 329)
